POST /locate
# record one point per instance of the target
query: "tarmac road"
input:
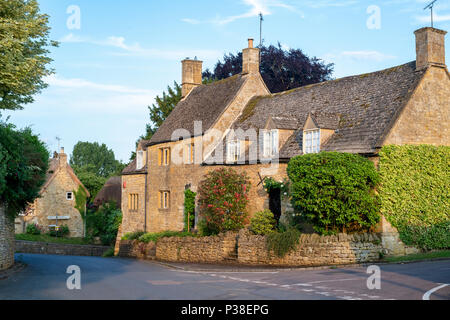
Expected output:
(45, 277)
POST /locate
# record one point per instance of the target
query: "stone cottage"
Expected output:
(56, 203)
(237, 122)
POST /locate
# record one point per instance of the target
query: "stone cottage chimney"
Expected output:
(430, 47)
(62, 158)
(191, 75)
(250, 59)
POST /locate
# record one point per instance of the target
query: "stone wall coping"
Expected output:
(62, 244)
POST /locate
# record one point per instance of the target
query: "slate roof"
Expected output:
(204, 103)
(361, 108)
(131, 169)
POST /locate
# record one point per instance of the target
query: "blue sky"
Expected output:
(126, 52)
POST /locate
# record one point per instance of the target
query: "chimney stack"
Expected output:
(250, 59)
(191, 75)
(430, 47)
(62, 158)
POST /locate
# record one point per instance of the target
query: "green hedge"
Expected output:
(335, 191)
(415, 193)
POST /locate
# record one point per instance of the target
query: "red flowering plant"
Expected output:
(223, 198)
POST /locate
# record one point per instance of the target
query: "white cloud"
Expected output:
(256, 7)
(365, 55)
(436, 18)
(137, 50)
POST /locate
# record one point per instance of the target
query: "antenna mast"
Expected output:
(261, 19)
(59, 143)
(430, 6)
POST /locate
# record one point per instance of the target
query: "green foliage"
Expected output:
(223, 197)
(108, 253)
(91, 181)
(133, 235)
(415, 185)
(283, 243)
(271, 184)
(434, 237)
(23, 166)
(33, 229)
(189, 209)
(60, 232)
(24, 60)
(105, 223)
(263, 223)
(48, 239)
(154, 237)
(335, 191)
(96, 159)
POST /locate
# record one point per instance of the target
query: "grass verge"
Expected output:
(419, 256)
(49, 239)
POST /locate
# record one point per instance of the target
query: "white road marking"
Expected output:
(336, 280)
(428, 294)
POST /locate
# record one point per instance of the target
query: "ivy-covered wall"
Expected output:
(415, 193)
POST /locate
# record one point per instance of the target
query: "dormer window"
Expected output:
(233, 151)
(139, 160)
(270, 143)
(311, 141)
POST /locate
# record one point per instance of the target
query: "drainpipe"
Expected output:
(145, 201)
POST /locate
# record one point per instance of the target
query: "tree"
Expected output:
(24, 42)
(334, 191)
(162, 109)
(95, 158)
(23, 167)
(281, 69)
(91, 181)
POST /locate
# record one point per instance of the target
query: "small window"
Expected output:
(133, 202)
(164, 199)
(234, 151)
(69, 195)
(311, 141)
(164, 156)
(140, 160)
(190, 153)
(270, 143)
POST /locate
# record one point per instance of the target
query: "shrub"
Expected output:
(283, 243)
(154, 237)
(189, 210)
(33, 229)
(133, 235)
(335, 191)
(108, 253)
(223, 197)
(105, 223)
(263, 223)
(60, 232)
(414, 193)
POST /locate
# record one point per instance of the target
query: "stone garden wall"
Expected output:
(59, 249)
(248, 249)
(6, 240)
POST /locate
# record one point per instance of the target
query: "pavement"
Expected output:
(45, 277)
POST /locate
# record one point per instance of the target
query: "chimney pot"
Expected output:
(250, 43)
(430, 47)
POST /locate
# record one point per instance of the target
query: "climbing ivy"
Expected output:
(189, 209)
(415, 192)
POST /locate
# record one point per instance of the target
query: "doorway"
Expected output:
(275, 203)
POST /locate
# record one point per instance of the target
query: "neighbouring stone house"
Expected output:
(56, 203)
(244, 126)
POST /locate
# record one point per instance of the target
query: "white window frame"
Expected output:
(233, 151)
(164, 199)
(270, 143)
(311, 141)
(140, 160)
(190, 153)
(71, 196)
